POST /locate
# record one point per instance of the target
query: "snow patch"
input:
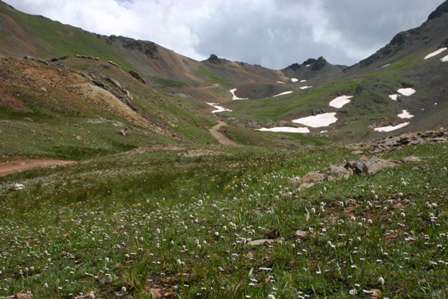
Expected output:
(286, 130)
(235, 97)
(317, 121)
(303, 81)
(405, 115)
(305, 87)
(385, 66)
(340, 102)
(294, 80)
(435, 53)
(218, 108)
(407, 92)
(444, 59)
(280, 82)
(283, 93)
(391, 128)
(394, 97)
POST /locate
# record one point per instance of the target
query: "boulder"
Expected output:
(340, 172)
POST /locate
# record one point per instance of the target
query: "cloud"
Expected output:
(274, 33)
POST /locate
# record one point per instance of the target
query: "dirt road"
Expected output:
(8, 168)
(222, 139)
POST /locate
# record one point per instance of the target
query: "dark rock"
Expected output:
(441, 10)
(137, 76)
(214, 59)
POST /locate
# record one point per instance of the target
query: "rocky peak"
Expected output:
(214, 59)
(294, 67)
(150, 49)
(442, 9)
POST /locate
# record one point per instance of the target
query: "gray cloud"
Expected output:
(273, 33)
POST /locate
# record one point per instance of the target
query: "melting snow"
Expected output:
(317, 121)
(385, 66)
(280, 82)
(294, 80)
(394, 97)
(303, 81)
(407, 92)
(340, 102)
(286, 130)
(283, 94)
(405, 115)
(218, 108)
(444, 59)
(235, 97)
(435, 53)
(392, 128)
(305, 87)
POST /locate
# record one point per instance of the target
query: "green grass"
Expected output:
(182, 222)
(55, 40)
(213, 77)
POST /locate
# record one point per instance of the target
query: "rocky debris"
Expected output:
(370, 166)
(149, 49)
(27, 295)
(113, 63)
(336, 171)
(90, 295)
(87, 57)
(35, 59)
(114, 83)
(300, 234)
(364, 166)
(411, 159)
(56, 59)
(263, 242)
(18, 187)
(124, 132)
(403, 140)
(137, 76)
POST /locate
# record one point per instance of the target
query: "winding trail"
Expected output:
(8, 168)
(220, 137)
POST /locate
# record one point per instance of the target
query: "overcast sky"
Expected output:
(273, 33)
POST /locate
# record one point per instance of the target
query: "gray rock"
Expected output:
(411, 159)
(300, 234)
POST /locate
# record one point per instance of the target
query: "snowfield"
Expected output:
(435, 53)
(405, 115)
(305, 87)
(340, 102)
(317, 121)
(391, 128)
(283, 94)
(444, 59)
(394, 97)
(286, 130)
(294, 80)
(235, 97)
(407, 92)
(218, 108)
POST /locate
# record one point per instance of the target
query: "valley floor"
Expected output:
(183, 224)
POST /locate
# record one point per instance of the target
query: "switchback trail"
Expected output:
(220, 137)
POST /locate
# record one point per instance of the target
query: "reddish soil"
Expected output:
(8, 168)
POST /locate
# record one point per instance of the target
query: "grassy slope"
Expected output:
(165, 217)
(370, 106)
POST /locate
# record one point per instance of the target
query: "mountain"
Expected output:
(130, 171)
